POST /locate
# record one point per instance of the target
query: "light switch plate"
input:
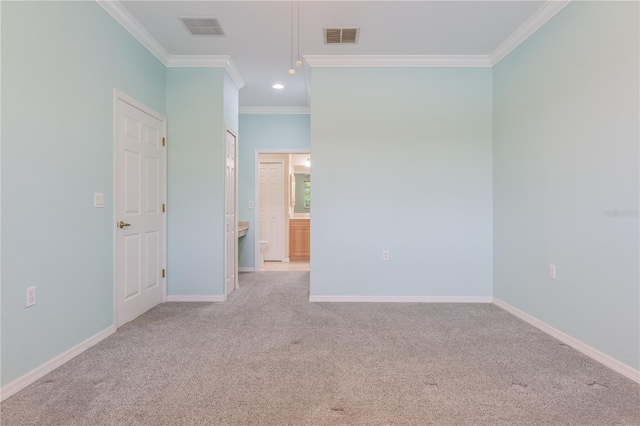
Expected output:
(98, 200)
(251, 205)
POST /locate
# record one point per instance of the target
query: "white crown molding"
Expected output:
(530, 26)
(22, 382)
(207, 61)
(403, 299)
(124, 18)
(196, 298)
(397, 61)
(580, 346)
(274, 110)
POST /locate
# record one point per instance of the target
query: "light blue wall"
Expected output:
(231, 104)
(57, 150)
(195, 206)
(262, 131)
(566, 152)
(401, 162)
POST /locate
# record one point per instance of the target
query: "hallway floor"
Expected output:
(296, 266)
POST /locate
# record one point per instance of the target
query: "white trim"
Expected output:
(44, 369)
(196, 298)
(403, 299)
(165, 201)
(256, 190)
(524, 31)
(275, 110)
(207, 61)
(420, 61)
(246, 269)
(124, 18)
(580, 346)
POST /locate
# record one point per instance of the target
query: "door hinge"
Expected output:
(163, 274)
(164, 142)
(163, 208)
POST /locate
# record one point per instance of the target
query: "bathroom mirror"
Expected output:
(302, 200)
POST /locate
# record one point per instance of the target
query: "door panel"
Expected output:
(139, 196)
(153, 254)
(153, 188)
(272, 208)
(263, 202)
(132, 265)
(231, 253)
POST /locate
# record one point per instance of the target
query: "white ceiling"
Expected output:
(258, 34)
(299, 159)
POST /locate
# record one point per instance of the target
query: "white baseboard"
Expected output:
(246, 269)
(22, 382)
(196, 298)
(403, 299)
(589, 351)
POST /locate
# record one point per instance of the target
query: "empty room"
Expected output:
(320, 212)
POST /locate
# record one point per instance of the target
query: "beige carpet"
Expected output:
(268, 356)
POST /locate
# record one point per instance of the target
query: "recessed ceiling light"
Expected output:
(278, 86)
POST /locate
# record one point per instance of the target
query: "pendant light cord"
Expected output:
(298, 30)
(291, 56)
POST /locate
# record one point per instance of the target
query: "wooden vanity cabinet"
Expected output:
(299, 239)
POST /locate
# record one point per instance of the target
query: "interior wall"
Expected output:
(262, 131)
(231, 104)
(566, 176)
(401, 163)
(195, 204)
(57, 150)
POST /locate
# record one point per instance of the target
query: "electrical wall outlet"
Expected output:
(251, 204)
(31, 296)
(386, 255)
(552, 271)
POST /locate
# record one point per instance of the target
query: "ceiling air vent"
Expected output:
(341, 35)
(203, 26)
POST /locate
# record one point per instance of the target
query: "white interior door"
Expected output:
(272, 208)
(231, 241)
(139, 201)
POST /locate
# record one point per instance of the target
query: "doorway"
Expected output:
(283, 210)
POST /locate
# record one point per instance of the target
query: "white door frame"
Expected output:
(236, 285)
(256, 203)
(119, 95)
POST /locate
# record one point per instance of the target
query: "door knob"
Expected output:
(122, 224)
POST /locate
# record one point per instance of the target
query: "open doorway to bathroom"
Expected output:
(283, 210)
